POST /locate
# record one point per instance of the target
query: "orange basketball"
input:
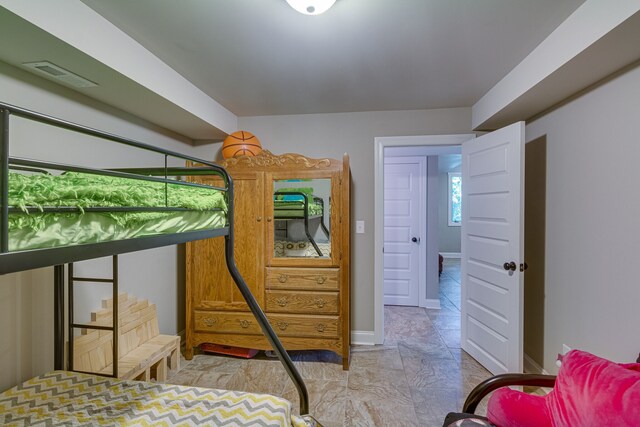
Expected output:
(240, 143)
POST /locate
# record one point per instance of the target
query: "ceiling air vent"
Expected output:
(53, 71)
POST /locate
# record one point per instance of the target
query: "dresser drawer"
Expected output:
(215, 321)
(302, 302)
(304, 326)
(303, 278)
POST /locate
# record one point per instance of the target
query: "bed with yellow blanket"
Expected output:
(64, 398)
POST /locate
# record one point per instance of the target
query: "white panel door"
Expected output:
(492, 236)
(402, 198)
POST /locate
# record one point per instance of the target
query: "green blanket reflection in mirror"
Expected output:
(295, 209)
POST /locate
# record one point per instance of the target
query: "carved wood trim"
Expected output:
(266, 158)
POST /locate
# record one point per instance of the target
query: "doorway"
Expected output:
(404, 229)
(416, 146)
(492, 244)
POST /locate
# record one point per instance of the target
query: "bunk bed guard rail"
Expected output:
(306, 215)
(14, 261)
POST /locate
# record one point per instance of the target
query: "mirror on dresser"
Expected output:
(302, 218)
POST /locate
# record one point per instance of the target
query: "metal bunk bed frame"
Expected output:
(305, 201)
(15, 261)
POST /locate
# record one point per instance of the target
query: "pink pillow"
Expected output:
(589, 391)
(516, 409)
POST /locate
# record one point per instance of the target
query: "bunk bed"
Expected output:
(300, 204)
(39, 230)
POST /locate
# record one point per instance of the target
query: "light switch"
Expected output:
(360, 227)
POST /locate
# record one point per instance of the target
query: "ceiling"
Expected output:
(263, 58)
(449, 162)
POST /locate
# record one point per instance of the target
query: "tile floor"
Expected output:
(414, 379)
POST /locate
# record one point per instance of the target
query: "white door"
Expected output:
(492, 239)
(402, 229)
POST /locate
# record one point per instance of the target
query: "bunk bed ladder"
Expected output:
(114, 316)
(324, 227)
(4, 180)
(307, 232)
(261, 318)
(305, 202)
(58, 318)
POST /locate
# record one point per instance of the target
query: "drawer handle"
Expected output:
(320, 302)
(282, 325)
(245, 323)
(209, 321)
(282, 301)
(283, 278)
(320, 280)
(320, 327)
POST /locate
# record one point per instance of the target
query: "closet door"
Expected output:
(209, 283)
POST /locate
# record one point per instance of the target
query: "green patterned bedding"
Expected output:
(291, 206)
(72, 399)
(31, 229)
(294, 209)
(75, 229)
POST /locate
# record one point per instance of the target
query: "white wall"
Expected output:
(592, 289)
(593, 42)
(449, 236)
(26, 313)
(128, 75)
(433, 235)
(330, 135)
(26, 298)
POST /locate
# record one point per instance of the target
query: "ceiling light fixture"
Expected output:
(311, 7)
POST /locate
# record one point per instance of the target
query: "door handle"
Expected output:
(509, 266)
(415, 239)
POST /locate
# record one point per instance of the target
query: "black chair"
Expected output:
(468, 417)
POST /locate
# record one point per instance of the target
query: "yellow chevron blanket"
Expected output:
(72, 399)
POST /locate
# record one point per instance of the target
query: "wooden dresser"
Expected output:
(302, 286)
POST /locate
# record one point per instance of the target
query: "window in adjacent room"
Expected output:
(455, 199)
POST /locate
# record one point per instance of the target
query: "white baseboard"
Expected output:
(450, 255)
(433, 304)
(530, 366)
(362, 338)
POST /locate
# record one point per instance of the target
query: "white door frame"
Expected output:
(380, 144)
